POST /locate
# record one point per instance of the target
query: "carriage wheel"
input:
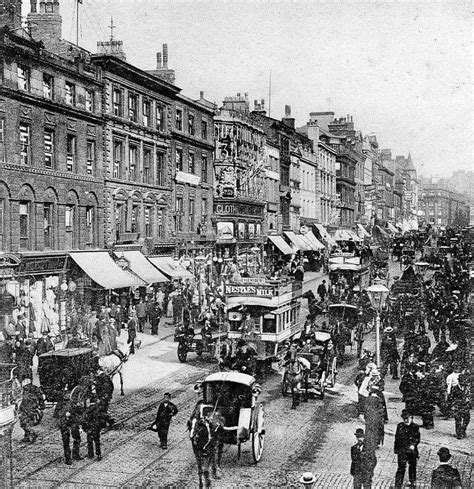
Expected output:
(322, 385)
(284, 385)
(333, 371)
(182, 352)
(258, 433)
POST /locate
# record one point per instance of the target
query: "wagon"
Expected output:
(234, 396)
(197, 345)
(62, 370)
(323, 363)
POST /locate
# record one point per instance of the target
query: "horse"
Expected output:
(314, 306)
(205, 434)
(112, 364)
(296, 371)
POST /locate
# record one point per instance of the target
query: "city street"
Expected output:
(316, 437)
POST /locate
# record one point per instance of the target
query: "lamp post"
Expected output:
(378, 294)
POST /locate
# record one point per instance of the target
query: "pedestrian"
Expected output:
(409, 389)
(141, 315)
(24, 360)
(166, 411)
(460, 397)
(44, 344)
(390, 356)
(104, 388)
(359, 334)
(94, 422)
(445, 476)
(407, 438)
(155, 317)
(132, 332)
(374, 419)
(69, 424)
(31, 409)
(322, 290)
(363, 462)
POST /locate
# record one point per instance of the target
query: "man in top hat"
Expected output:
(166, 411)
(363, 462)
(44, 344)
(407, 438)
(389, 351)
(445, 476)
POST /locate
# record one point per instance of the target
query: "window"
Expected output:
(70, 152)
(204, 131)
(69, 222)
(179, 119)
(117, 102)
(2, 139)
(90, 219)
(48, 225)
(24, 212)
(160, 117)
(90, 100)
(191, 124)
(23, 78)
(191, 163)
(135, 222)
(120, 219)
(118, 159)
(2, 223)
(148, 221)
(179, 214)
(48, 148)
(25, 144)
(146, 113)
(133, 107)
(48, 86)
(204, 168)
(179, 159)
(90, 158)
(192, 208)
(70, 93)
(160, 169)
(160, 218)
(147, 171)
(133, 163)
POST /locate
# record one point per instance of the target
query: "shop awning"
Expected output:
(325, 235)
(169, 267)
(362, 231)
(297, 241)
(142, 267)
(382, 231)
(354, 236)
(342, 235)
(100, 267)
(313, 241)
(282, 245)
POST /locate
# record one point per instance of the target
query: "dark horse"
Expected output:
(206, 439)
(314, 306)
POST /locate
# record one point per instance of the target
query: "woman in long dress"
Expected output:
(374, 419)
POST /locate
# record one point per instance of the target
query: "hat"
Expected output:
(359, 432)
(444, 454)
(308, 478)
(388, 329)
(406, 413)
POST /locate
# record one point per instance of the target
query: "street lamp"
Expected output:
(378, 294)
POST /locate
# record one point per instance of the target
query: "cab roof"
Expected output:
(236, 377)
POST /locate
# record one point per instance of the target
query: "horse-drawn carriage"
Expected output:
(200, 346)
(61, 370)
(229, 413)
(318, 366)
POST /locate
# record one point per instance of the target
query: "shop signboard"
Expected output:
(42, 265)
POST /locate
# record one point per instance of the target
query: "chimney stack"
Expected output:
(46, 25)
(165, 55)
(33, 6)
(10, 14)
(288, 120)
(158, 61)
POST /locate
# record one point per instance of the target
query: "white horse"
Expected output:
(112, 364)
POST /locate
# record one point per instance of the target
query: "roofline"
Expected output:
(195, 103)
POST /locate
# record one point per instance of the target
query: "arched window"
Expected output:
(91, 221)
(26, 218)
(71, 221)
(4, 217)
(120, 214)
(50, 219)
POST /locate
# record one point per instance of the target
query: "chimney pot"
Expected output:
(201, 94)
(158, 60)
(165, 55)
(238, 94)
(255, 104)
(287, 110)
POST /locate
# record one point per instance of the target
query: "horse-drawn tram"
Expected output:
(346, 268)
(266, 312)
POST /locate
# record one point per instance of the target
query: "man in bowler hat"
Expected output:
(445, 476)
(407, 438)
(363, 462)
(166, 410)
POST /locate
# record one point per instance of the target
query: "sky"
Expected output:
(402, 69)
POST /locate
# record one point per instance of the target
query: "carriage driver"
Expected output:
(104, 388)
(206, 333)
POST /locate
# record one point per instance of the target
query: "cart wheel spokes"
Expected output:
(258, 434)
(322, 385)
(334, 371)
